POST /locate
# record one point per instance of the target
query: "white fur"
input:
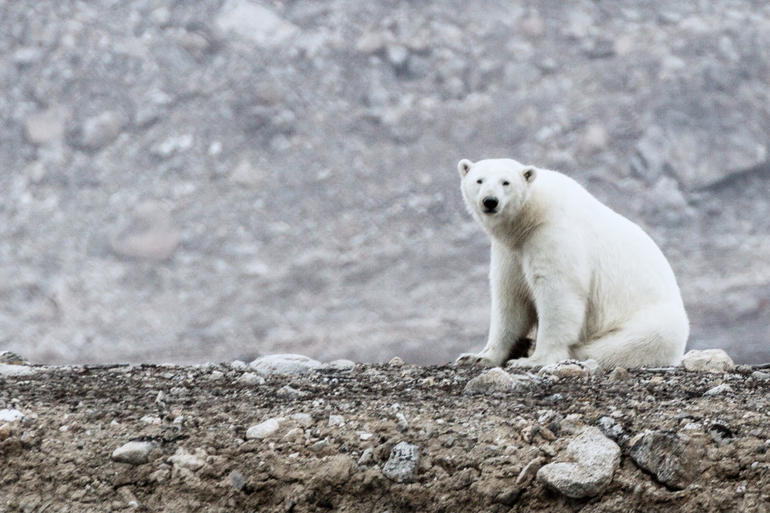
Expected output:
(592, 283)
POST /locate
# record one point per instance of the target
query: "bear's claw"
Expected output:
(473, 360)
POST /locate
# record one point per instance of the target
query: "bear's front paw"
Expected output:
(474, 360)
(525, 362)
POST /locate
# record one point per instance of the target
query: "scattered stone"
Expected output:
(611, 428)
(284, 364)
(367, 457)
(216, 375)
(249, 378)
(529, 472)
(401, 422)
(497, 380)
(10, 415)
(16, 370)
(239, 365)
(403, 463)
(570, 368)
(711, 360)
(184, 459)
(340, 365)
(572, 424)
(338, 468)
(263, 429)
(666, 455)
(396, 362)
(320, 445)
(150, 233)
(99, 131)
(759, 375)
(46, 126)
(11, 358)
(336, 421)
(288, 392)
(724, 388)
(172, 144)
(592, 461)
(254, 22)
(134, 453)
(237, 480)
(151, 419)
(619, 374)
(303, 419)
(5, 431)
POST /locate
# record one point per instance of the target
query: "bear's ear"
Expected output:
(463, 167)
(529, 173)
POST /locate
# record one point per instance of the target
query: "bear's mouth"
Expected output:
(489, 211)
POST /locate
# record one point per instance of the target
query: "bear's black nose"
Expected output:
(489, 203)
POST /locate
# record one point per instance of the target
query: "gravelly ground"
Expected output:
(473, 449)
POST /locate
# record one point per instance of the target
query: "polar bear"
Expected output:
(587, 281)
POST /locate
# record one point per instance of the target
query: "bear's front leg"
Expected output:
(512, 315)
(561, 312)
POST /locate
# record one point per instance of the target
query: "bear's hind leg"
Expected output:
(654, 337)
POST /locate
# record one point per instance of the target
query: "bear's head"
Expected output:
(495, 190)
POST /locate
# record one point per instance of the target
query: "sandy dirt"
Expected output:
(336, 430)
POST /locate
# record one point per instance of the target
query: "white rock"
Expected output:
(263, 429)
(336, 420)
(150, 234)
(100, 130)
(303, 419)
(570, 368)
(497, 380)
(46, 126)
(724, 388)
(249, 378)
(150, 419)
(17, 370)
(403, 463)
(254, 22)
(184, 459)
(284, 364)
(134, 453)
(592, 461)
(239, 365)
(710, 360)
(340, 365)
(10, 415)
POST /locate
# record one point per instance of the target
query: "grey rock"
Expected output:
(611, 428)
(320, 445)
(403, 463)
(100, 130)
(592, 459)
(288, 392)
(150, 233)
(10, 415)
(496, 380)
(367, 457)
(237, 480)
(254, 22)
(284, 364)
(183, 459)
(529, 472)
(759, 375)
(134, 453)
(264, 429)
(709, 360)
(570, 368)
(46, 126)
(721, 389)
(9, 357)
(17, 370)
(249, 378)
(668, 456)
(340, 365)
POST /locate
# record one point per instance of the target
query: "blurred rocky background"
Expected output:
(198, 181)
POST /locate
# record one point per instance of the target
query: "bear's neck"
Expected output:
(515, 232)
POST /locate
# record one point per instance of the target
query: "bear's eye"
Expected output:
(506, 182)
(479, 180)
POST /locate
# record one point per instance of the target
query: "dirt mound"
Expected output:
(221, 438)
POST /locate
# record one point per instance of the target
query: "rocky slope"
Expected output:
(187, 182)
(301, 436)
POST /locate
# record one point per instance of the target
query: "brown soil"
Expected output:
(472, 448)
